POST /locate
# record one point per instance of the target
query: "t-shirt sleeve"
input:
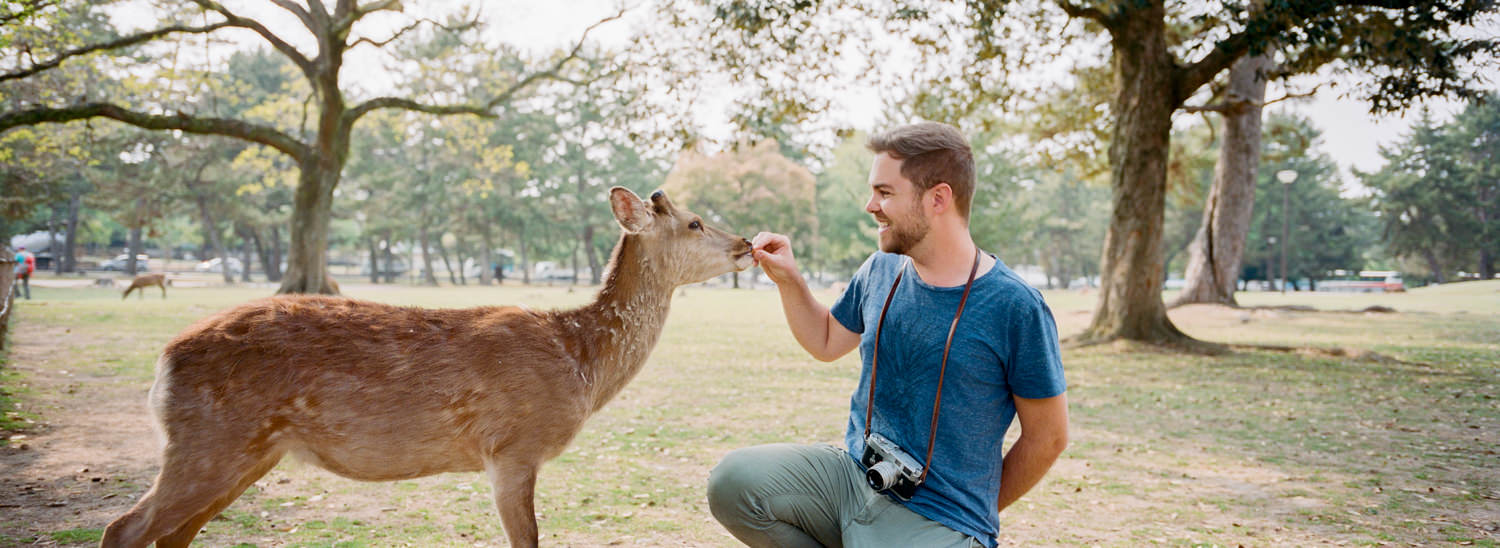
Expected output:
(847, 308)
(1035, 368)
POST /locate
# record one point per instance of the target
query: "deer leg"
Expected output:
(515, 485)
(163, 291)
(196, 481)
(184, 534)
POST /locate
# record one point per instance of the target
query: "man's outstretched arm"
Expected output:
(811, 322)
(1044, 435)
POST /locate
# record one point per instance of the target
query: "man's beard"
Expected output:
(902, 237)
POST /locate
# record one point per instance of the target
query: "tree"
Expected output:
(749, 186)
(1161, 57)
(320, 151)
(1437, 196)
(1326, 232)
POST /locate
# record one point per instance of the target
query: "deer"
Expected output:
(378, 392)
(144, 281)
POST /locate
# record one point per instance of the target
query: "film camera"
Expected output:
(888, 467)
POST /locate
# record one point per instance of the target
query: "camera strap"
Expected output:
(947, 346)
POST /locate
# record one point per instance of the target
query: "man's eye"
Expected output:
(695, 225)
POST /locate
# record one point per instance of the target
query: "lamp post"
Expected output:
(1286, 176)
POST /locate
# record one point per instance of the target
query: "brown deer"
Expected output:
(377, 392)
(144, 281)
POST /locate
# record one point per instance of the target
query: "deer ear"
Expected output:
(630, 211)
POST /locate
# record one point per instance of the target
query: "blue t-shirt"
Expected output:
(1006, 344)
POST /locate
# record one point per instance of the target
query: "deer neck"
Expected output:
(613, 336)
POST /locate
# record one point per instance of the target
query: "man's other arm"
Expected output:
(1044, 435)
(811, 322)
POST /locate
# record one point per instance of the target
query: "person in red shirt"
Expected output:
(25, 265)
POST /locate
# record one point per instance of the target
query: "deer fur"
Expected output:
(378, 392)
(147, 280)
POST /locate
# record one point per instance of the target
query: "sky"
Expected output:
(1351, 136)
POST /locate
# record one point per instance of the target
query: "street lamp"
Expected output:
(1286, 176)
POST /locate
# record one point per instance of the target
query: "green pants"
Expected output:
(788, 495)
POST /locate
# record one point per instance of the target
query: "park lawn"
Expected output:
(1397, 445)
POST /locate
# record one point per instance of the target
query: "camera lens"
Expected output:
(882, 475)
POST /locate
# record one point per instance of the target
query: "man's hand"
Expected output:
(774, 254)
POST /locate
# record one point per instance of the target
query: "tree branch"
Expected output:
(282, 46)
(298, 11)
(346, 20)
(487, 109)
(1086, 12)
(382, 43)
(113, 44)
(238, 129)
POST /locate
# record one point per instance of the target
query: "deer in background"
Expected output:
(147, 280)
(377, 392)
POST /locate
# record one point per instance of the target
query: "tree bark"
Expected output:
(212, 232)
(443, 254)
(1130, 303)
(374, 258)
(1486, 265)
(307, 257)
(1433, 265)
(525, 264)
(390, 258)
(486, 251)
(428, 276)
(247, 254)
(134, 248)
(1215, 254)
(68, 259)
(593, 254)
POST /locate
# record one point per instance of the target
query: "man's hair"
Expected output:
(931, 153)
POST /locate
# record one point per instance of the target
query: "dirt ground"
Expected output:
(78, 467)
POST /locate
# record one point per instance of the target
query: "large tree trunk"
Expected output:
(212, 232)
(443, 254)
(1130, 303)
(593, 254)
(247, 253)
(428, 276)
(53, 247)
(390, 258)
(68, 259)
(525, 264)
(1214, 255)
(486, 252)
(134, 244)
(374, 258)
(1434, 265)
(307, 258)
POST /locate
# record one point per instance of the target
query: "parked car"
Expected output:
(142, 263)
(212, 265)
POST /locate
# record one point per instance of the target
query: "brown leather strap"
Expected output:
(947, 346)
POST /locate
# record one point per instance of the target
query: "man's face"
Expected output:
(896, 204)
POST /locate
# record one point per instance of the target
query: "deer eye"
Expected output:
(695, 225)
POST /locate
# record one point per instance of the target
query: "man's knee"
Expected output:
(731, 480)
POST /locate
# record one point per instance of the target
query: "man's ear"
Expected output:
(942, 197)
(630, 211)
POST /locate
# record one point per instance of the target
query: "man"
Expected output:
(1003, 363)
(25, 265)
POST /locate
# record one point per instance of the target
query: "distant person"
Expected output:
(25, 265)
(1004, 364)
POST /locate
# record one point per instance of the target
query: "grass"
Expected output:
(1252, 448)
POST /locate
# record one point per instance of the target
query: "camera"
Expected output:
(887, 467)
